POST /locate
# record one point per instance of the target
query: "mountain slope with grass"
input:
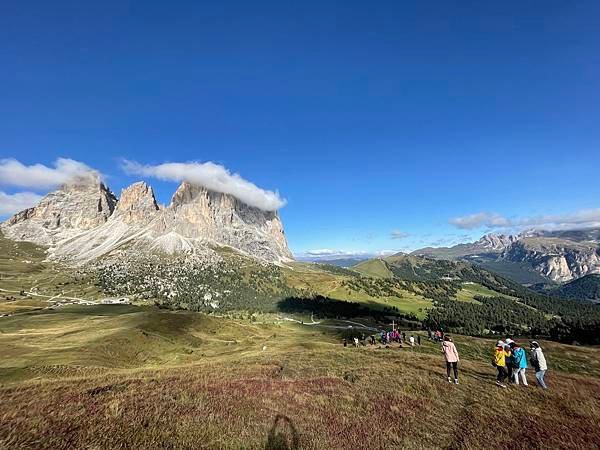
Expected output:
(469, 299)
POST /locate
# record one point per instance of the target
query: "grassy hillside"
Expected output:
(349, 285)
(140, 377)
(374, 268)
(456, 296)
(27, 280)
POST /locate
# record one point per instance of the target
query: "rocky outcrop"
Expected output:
(557, 259)
(558, 256)
(488, 245)
(196, 220)
(196, 212)
(61, 214)
(497, 242)
(137, 204)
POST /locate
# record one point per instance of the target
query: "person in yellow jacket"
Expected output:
(500, 363)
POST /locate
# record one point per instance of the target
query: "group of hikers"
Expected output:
(385, 338)
(510, 360)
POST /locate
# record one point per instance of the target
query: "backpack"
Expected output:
(516, 359)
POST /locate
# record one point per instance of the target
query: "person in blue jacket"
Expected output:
(519, 361)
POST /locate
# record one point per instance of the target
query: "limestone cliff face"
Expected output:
(196, 212)
(73, 208)
(137, 204)
(82, 223)
(557, 259)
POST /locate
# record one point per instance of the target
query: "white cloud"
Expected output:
(39, 176)
(585, 218)
(397, 234)
(212, 176)
(14, 203)
(490, 220)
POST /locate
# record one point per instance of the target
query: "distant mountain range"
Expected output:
(533, 257)
(339, 262)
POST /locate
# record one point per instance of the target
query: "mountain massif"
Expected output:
(531, 257)
(84, 220)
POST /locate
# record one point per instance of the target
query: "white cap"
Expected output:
(500, 344)
(509, 341)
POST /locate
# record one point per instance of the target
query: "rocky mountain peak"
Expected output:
(185, 193)
(496, 241)
(76, 206)
(84, 221)
(137, 203)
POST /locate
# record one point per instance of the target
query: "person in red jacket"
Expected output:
(451, 356)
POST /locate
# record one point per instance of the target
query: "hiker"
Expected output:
(345, 342)
(419, 339)
(356, 342)
(519, 359)
(509, 361)
(451, 356)
(538, 361)
(412, 340)
(404, 336)
(500, 363)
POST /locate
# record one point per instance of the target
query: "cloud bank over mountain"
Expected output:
(13, 203)
(39, 176)
(212, 176)
(585, 218)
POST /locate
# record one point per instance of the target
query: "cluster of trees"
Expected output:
(390, 287)
(490, 315)
(532, 314)
(192, 285)
(373, 287)
(587, 287)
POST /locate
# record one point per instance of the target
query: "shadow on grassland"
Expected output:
(325, 307)
(282, 435)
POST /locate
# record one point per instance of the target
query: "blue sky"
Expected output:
(436, 120)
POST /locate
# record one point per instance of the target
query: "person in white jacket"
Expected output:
(538, 361)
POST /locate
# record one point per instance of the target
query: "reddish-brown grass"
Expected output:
(195, 387)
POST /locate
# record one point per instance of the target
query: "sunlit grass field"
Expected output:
(140, 377)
